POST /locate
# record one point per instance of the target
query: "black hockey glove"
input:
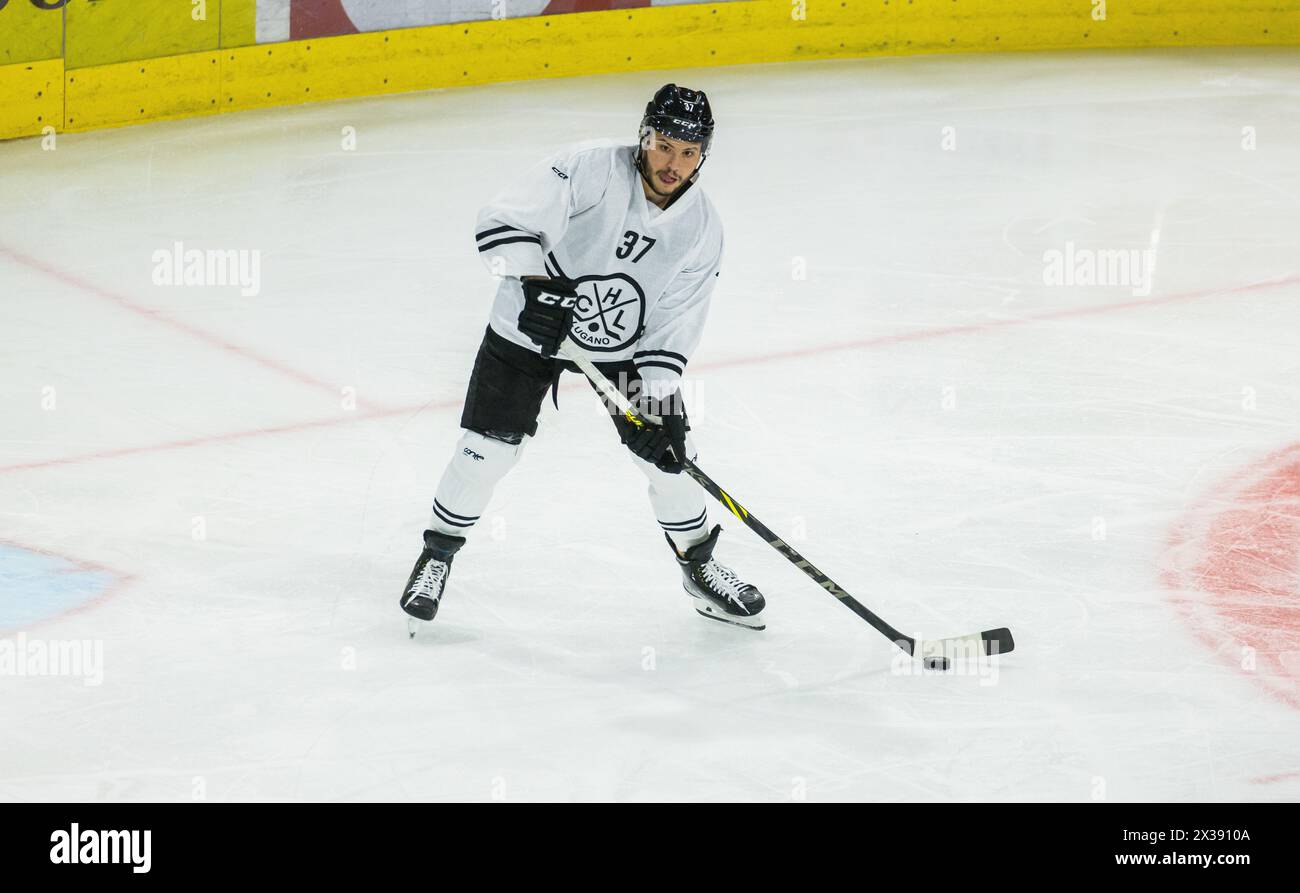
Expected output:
(662, 445)
(548, 312)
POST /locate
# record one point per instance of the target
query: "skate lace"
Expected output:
(430, 579)
(723, 578)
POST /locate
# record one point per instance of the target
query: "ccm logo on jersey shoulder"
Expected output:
(559, 173)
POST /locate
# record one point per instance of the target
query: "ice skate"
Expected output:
(423, 592)
(721, 594)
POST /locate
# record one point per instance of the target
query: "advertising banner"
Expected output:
(279, 20)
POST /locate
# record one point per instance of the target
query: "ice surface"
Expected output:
(886, 380)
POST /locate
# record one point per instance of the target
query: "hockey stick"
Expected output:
(933, 651)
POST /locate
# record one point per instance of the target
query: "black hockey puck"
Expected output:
(936, 663)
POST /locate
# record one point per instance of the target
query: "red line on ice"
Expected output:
(227, 437)
(835, 347)
(972, 328)
(157, 316)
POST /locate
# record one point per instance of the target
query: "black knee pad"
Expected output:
(514, 438)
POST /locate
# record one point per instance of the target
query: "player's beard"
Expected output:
(652, 179)
(675, 187)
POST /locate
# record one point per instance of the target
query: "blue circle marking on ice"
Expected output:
(35, 586)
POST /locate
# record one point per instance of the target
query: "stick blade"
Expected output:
(998, 641)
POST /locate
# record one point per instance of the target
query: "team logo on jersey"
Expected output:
(609, 311)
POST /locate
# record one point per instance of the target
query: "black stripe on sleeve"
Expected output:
(664, 365)
(491, 245)
(660, 353)
(498, 230)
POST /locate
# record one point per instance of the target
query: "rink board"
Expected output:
(31, 98)
(243, 77)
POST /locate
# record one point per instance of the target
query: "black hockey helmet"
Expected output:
(679, 113)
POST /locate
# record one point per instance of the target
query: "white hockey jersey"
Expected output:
(644, 276)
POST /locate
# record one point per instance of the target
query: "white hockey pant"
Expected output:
(479, 462)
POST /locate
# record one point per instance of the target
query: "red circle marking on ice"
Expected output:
(1234, 568)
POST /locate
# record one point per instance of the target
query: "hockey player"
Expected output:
(615, 247)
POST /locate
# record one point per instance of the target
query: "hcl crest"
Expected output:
(609, 312)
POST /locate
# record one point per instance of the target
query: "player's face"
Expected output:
(669, 163)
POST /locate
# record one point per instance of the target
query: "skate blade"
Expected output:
(706, 608)
(754, 623)
(413, 626)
